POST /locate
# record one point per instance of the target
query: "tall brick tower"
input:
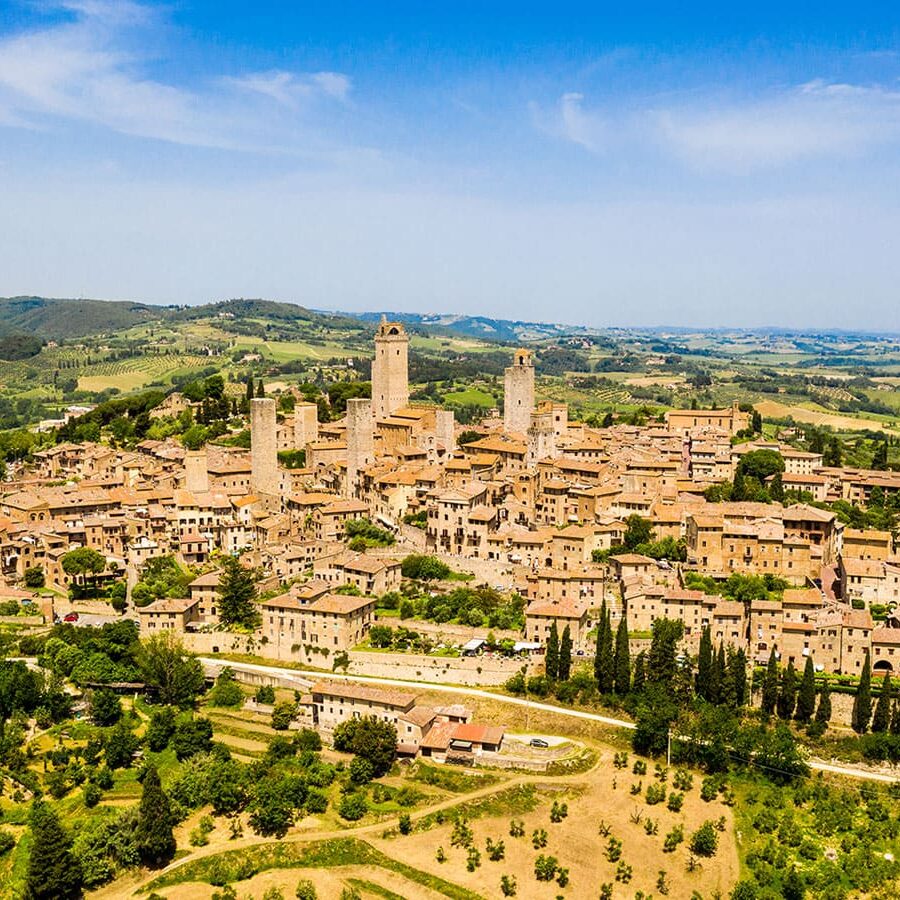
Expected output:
(360, 441)
(264, 478)
(518, 393)
(390, 369)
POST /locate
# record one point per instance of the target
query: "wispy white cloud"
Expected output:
(88, 70)
(289, 88)
(804, 122)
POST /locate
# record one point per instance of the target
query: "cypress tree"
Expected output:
(622, 663)
(895, 718)
(250, 388)
(770, 685)
(704, 664)
(565, 655)
(823, 712)
(260, 390)
(637, 683)
(551, 657)
(862, 702)
(153, 836)
(738, 663)
(237, 593)
(716, 674)
(728, 691)
(881, 721)
(806, 698)
(787, 696)
(598, 645)
(607, 660)
(54, 873)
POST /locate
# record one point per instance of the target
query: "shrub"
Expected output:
(545, 867)
(516, 828)
(614, 849)
(539, 838)
(705, 841)
(639, 768)
(508, 886)
(473, 859)
(462, 835)
(306, 890)
(676, 801)
(283, 714)
(656, 793)
(353, 807)
(673, 839)
(495, 850)
(558, 811)
(405, 824)
(7, 842)
(266, 694)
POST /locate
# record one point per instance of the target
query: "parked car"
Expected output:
(538, 742)
(70, 617)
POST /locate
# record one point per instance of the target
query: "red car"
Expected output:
(70, 617)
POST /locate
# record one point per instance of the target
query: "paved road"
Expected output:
(301, 674)
(418, 686)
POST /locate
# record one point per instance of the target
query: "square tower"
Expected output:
(390, 369)
(518, 393)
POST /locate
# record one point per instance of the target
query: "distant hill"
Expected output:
(59, 319)
(501, 330)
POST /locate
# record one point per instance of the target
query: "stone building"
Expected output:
(390, 369)
(518, 393)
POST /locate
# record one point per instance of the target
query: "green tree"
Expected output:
(832, 454)
(716, 672)
(119, 746)
(787, 695)
(106, 708)
(83, 561)
(54, 873)
(605, 665)
(551, 654)
(639, 679)
(160, 729)
(237, 594)
(172, 674)
(637, 531)
(770, 685)
(823, 710)
(370, 738)
(881, 721)
(34, 577)
(662, 666)
(880, 456)
(154, 838)
(793, 887)
(862, 702)
(565, 655)
(806, 698)
(622, 660)
(704, 664)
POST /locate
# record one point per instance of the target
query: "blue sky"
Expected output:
(696, 164)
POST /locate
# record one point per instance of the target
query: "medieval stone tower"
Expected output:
(360, 441)
(390, 369)
(518, 393)
(541, 437)
(196, 471)
(264, 478)
(306, 424)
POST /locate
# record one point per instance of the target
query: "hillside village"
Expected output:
(529, 504)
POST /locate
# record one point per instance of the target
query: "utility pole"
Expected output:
(669, 747)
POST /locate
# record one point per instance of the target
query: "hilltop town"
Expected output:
(686, 579)
(530, 503)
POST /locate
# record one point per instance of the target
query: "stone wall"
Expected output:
(467, 670)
